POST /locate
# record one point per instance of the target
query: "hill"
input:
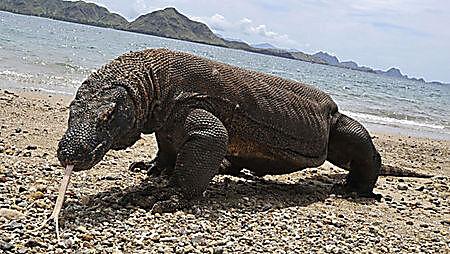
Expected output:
(391, 72)
(172, 24)
(167, 23)
(79, 12)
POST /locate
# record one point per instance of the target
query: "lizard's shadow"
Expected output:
(228, 193)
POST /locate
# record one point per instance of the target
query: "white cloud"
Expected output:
(216, 22)
(219, 24)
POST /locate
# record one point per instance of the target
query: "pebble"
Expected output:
(217, 250)
(5, 246)
(33, 243)
(87, 237)
(446, 222)
(420, 188)
(168, 239)
(10, 214)
(22, 251)
(402, 186)
(13, 225)
(31, 147)
(36, 195)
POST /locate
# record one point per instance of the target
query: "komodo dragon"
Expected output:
(204, 113)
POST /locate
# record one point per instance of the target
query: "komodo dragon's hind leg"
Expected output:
(350, 147)
(200, 154)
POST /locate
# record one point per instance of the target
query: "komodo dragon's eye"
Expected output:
(106, 114)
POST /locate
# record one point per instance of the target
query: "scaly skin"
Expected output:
(205, 113)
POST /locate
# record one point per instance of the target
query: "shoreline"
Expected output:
(373, 128)
(108, 207)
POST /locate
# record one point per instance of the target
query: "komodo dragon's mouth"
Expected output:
(85, 162)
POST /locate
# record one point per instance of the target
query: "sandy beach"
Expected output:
(107, 210)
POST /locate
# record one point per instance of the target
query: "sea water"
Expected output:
(55, 56)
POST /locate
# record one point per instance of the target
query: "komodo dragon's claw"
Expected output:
(150, 166)
(175, 202)
(345, 190)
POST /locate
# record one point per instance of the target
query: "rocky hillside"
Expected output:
(172, 24)
(167, 23)
(392, 72)
(80, 12)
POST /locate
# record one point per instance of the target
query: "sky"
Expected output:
(412, 35)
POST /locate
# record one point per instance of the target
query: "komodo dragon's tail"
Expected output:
(389, 170)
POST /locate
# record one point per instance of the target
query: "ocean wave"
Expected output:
(39, 79)
(72, 66)
(393, 121)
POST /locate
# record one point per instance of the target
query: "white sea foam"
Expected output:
(40, 78)
(392, 121)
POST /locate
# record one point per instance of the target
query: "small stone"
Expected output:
(402, 186)
(168, 239)
(110, 178)
(31, 147)
(154, 237)
(82, 229)
(87, 237)
(13, 225)
(42, 204)
(446, 222)
(424, 225)
(373, 229)
(217, 250)
(198, 239)
(421, 188)
(18, 130)
(32, 243)
(5, 246)
(9, 152)
(41, 187)
(10, 214)
(2, 149)
(36, 195)
(22, 251)
(410, 223)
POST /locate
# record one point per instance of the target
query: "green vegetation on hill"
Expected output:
(172, 24)
(164, 23)
(80, 12)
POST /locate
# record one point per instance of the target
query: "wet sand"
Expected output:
(107, 209)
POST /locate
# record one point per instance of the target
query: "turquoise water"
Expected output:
(55, 56)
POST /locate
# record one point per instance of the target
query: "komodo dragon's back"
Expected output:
(292, 116)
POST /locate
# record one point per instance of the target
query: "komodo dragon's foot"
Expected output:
(347, 190)
(151, 167)
(173, 204)
(169, 200)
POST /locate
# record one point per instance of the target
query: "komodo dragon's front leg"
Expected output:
(164, 160)
(199, 154)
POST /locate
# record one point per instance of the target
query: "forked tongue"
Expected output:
(59, 200)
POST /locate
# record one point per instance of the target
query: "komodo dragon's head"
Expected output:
(101, 118)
